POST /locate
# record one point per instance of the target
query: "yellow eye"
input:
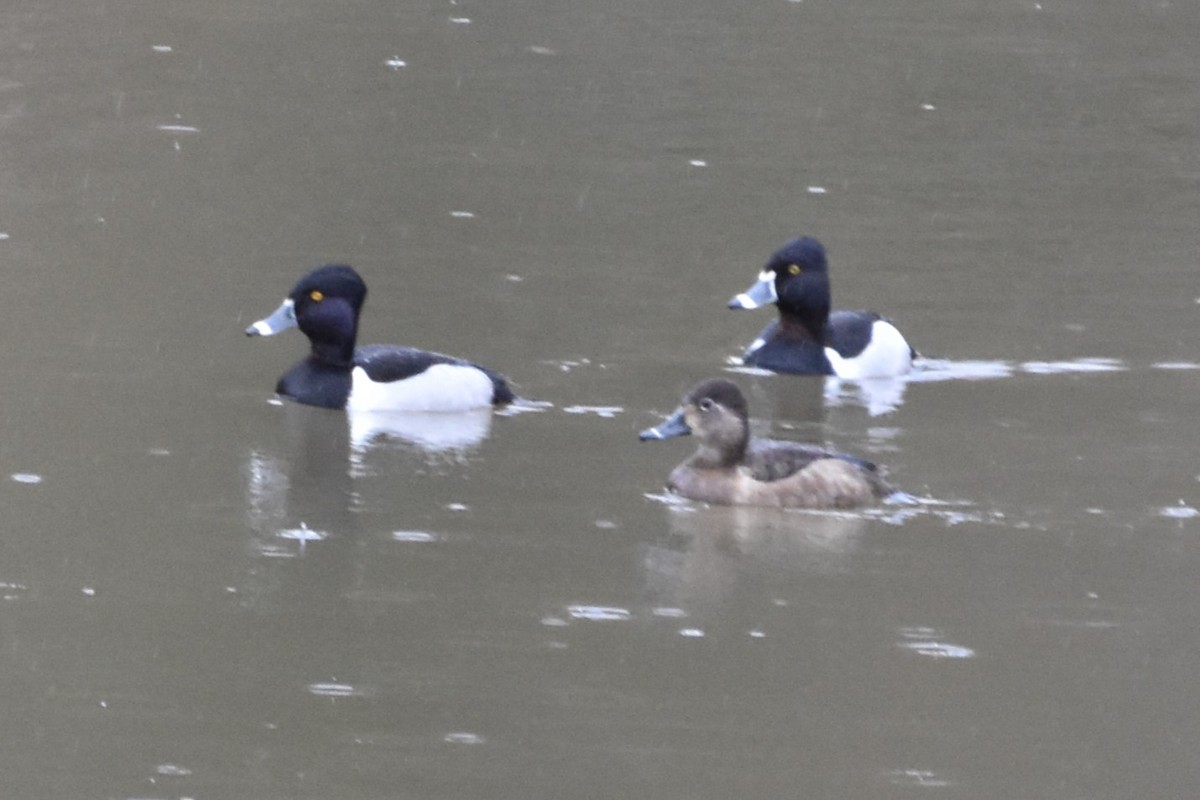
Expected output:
(316, 295)
(794, 269)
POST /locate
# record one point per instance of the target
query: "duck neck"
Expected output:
(803, 328)
(715, 455)
(338, 353)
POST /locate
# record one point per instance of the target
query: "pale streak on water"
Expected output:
(207, 594)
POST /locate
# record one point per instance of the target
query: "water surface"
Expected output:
(207, 594)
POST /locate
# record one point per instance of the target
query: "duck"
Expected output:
(325, 305)
(807, 339)
(730, 467)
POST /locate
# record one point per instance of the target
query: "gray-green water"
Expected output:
(208, 595)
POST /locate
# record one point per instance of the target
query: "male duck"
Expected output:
(730, 468)
(325, 305)
(807, 339)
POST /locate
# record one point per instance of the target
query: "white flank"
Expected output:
(887, 355)
(442, 387)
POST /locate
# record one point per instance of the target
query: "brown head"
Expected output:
(715, 412)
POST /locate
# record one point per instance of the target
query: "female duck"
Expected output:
(325, 305)
(730, 468)
(807, 339)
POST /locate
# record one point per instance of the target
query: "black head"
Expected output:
(324, 304)
(802, 287)
(330, 282)
(802, 279)
(796, 280)
(804, 255)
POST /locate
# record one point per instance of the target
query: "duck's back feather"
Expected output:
(824, 483)
(385, 364)
(773, 460)
(849, 332)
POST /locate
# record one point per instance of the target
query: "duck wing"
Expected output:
(849, 332)
(773, 460)
(386, 363)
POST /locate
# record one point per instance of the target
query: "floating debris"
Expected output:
(174, 770)
(938, 649)
(599, 613)
(395, 63)
(330, 689)
(608, 412)
(26, 477)
(917, 777)
(1180, 511)
(463, 737)
(921, 642)
(414, 536)
(1074, 365)
(303, 534)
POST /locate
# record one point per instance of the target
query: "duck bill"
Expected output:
(760, 294)
(676, 425)
(281, 319)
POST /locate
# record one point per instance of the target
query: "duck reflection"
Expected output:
(878, 396)
(433, 432)
(303, 493)
(698, 567)
(810, 398)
